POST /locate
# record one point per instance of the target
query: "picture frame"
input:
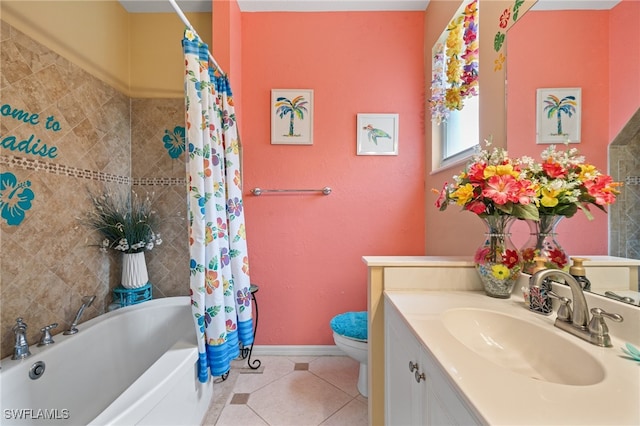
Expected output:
(291, 116)
(558, 115)
(377, 134)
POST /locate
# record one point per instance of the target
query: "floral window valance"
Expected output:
(455, 64)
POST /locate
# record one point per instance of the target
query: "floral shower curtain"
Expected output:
(219, 279)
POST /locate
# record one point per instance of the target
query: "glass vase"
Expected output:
(542, 243)
(497, 260)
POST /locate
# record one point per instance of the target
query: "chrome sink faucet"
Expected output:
(577, 322)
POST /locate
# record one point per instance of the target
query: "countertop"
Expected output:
(594, 260)
(503, 397)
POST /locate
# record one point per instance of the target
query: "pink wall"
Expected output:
(305, 250)
(227, 45)
(624, 64)
(571, 50)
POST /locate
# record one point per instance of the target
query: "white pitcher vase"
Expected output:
(134, 270)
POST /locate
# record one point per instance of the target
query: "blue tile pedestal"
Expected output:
(132, 296)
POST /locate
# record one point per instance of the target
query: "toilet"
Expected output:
(350, 335)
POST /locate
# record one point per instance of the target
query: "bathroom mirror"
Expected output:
(580, 62)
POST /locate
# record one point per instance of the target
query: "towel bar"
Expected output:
(259, 191)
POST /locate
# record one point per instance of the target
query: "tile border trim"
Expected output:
(13, 161)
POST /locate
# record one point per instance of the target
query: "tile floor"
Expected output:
(290, 390)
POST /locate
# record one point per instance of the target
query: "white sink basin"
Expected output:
(523, 347)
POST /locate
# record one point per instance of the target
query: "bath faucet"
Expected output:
(46, 338)
(86, 302)
(577, 322)
(21, 348)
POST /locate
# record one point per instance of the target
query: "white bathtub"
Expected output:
(132, 366)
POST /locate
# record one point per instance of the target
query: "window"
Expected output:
(454, 89)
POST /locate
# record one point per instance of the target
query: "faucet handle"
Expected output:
(20, 325)
(599, 313)
(46, 334)
(598, 329)
(564, 311)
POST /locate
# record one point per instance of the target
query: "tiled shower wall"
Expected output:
(624, 166)
(104, 141)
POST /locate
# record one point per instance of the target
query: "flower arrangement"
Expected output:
(494, 187)
(564, 183)
(491, 184)
(125, 221)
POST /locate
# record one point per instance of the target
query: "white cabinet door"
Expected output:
(403, 394)
(445, 405)
(418, 393)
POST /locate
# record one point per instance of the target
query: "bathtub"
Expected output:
(131, 366)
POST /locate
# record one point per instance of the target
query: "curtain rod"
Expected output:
(188, 24)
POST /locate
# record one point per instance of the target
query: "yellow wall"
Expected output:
(91, 34)
(139, 54)
(157, 63)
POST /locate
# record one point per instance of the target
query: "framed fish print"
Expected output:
(377, 134)
(558, 115)
(291, 117)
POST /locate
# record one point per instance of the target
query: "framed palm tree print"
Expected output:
(377, 134)
(291, 116)
(558, 115)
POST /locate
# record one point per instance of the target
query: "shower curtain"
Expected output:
(219, 278)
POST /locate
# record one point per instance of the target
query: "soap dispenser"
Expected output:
(539, 300)
(579, 273)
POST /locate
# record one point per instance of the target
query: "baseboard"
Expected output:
(297, 350)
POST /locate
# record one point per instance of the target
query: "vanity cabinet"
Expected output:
(416, 390)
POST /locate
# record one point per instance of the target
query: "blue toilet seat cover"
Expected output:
(351, 324)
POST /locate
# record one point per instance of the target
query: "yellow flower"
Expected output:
(235, 146)
(549, 197)
(189, 35)
(500, 271)
(242, 233)
(453, 99)
(455, 24)
(587, 171)
(463, 194)
(500, 170)
(454, 49)
(454, 70)
(497, 64)
(208, 234)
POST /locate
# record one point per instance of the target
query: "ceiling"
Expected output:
(151, 6)
(160, 6)
(574, 4)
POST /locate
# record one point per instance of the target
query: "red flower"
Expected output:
(553, 170)
(231, 327)
(443, 195)
(504, 19)
(602, 189)
(500, 188)
(510, 258)
(528, 254)
(476, 172)
(558, 257)
(476, 207)
(481, 255)
(525, 192)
